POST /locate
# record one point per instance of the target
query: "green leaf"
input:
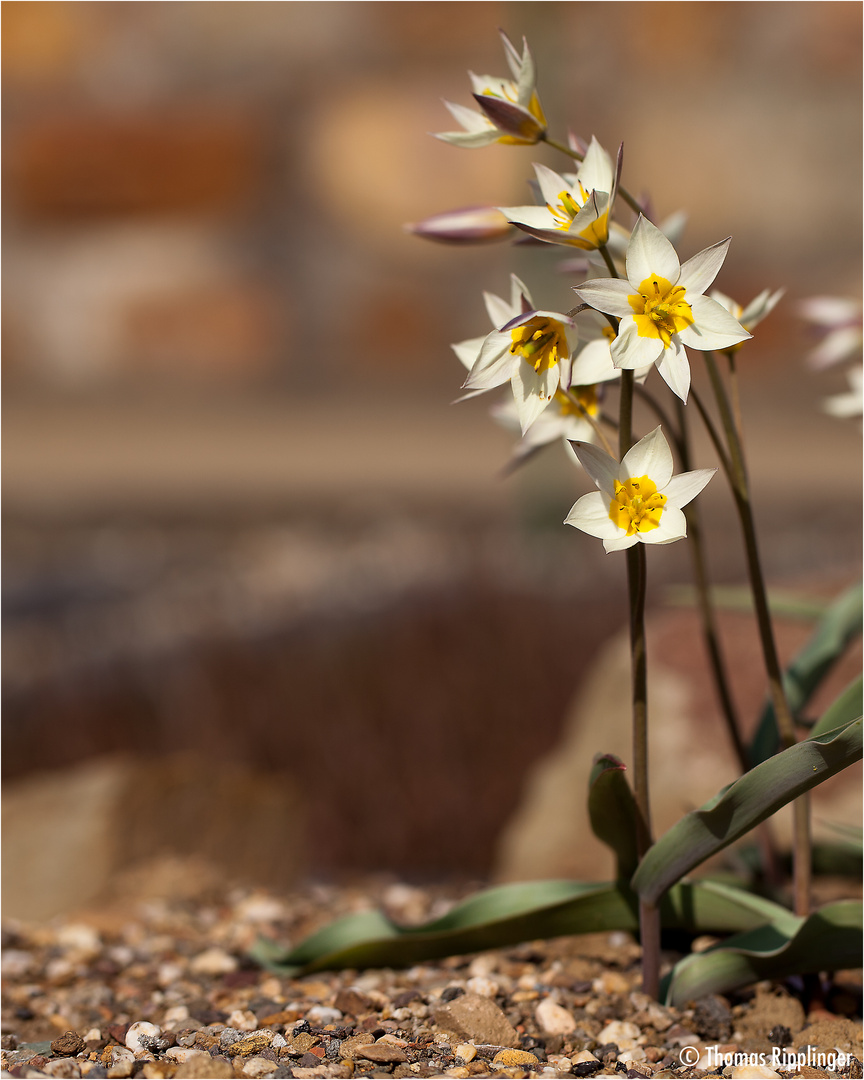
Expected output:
(612, 811)
(782, 604)
(840, 625)
(510, 914)
(744, 804)
(827, 940)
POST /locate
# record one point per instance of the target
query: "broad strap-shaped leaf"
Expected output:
(838, 626)
(612, 811)
(743, 805)
(510, 914)
(827, 940)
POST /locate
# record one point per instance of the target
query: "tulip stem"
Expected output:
(736, 470)
(649, 914)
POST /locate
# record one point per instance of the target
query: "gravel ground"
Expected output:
(162, 989)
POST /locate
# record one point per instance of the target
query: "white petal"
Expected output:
(469, 139)
(591, 515)
(698, 273)
(597, 173)
(674, 369)
(837, 346)
(830, 310)
(470, 119)
(600, 466)
(498, 310)
(672, 527)
(686, 486)
(468, 351)
(714, 327)
(551, 184)
(622, 544)
(520, 298)
(495, 363)
(631, 350)
(759, 307)
(532, 392)
(649, 252)
(650, 457)
(606, 294)
(593, 364)
(536, 217)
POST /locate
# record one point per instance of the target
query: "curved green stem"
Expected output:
(785, 724)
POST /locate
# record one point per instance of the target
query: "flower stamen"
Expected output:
(660, 309)
(637, 506)
(540, 341)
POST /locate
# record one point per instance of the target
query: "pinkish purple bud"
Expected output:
(471, 225)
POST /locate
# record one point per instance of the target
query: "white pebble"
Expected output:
(137, 1030)
(321, 1015)
(482, 966)
(175, 1015)
(213, 962)
(94, 1033)
(278, 1041)
(259, 1066)
(620, 1032)
(553, 1018)
(751, 1072)
(635, 1053)
(466, 1051)
(64, 1068)
(79, 937)
(181, 1053)
(242, 1020)
(482, 985)
(16, 962)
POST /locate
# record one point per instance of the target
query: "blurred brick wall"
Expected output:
(214, 191)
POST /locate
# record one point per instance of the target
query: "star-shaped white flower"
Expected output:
(531, 349)
(576, 210)
(662, 308)
(511, 110)
(639, 500)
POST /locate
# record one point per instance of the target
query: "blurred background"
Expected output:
(268, 598)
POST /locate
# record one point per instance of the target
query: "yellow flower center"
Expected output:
(637, 505)
(586, 396)
(540, 341)
(567, 207)
(660, 309)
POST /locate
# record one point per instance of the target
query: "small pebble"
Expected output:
(553, 1018)
(620, 1032)
(321, 1016)
(213, 962)
(259, 1066)
(243, 1020)
(515, 1057)
(483, 985)
(466, 1051)
(752, 1072)
(141, 1029)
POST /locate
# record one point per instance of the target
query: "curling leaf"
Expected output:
(744, 804)
(827, 940)
(840, 625)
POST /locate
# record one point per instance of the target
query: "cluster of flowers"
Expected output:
(838, 320)
(638, 308)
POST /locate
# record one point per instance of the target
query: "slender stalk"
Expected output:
(649, 915)
(576, 156)
(706, 606)
(734, 396)
(802, 856)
